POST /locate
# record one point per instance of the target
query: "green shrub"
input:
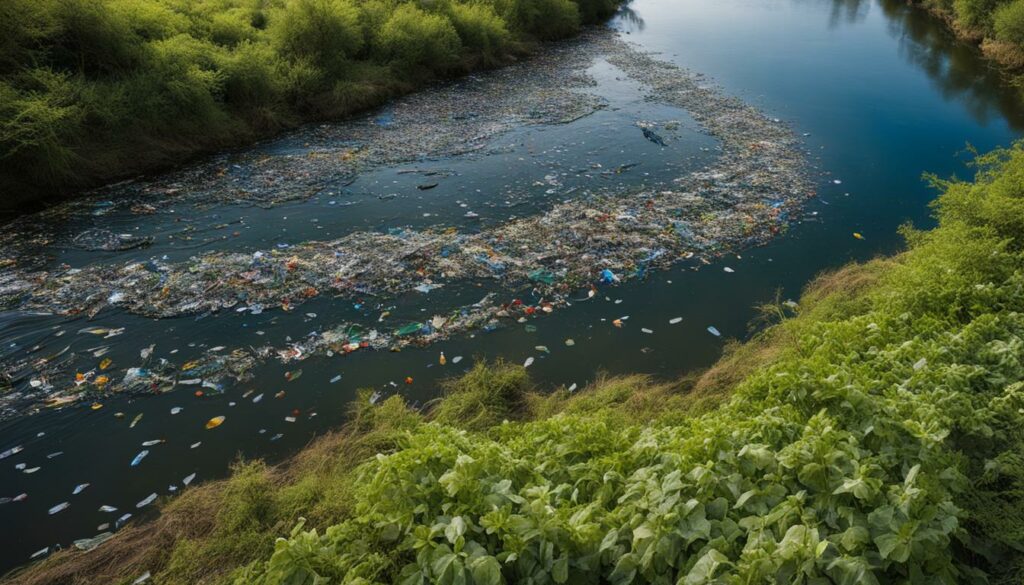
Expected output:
(548, 19)
(38, 124)
(480, 30)
(232, 27)
(326, 32)
(1008, 22)
(413, 39)
(94, 39)
(976, 13)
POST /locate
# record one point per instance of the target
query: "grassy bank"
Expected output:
(997, 26)
(873, 435)
(93, 90)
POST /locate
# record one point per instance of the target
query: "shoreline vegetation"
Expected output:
(96, 91)
(995, 26)
(873, 434)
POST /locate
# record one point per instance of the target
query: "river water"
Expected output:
(876, 93)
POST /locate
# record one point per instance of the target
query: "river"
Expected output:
(874, 92)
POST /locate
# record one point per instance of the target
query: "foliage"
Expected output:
(1008, 22)
(96, 89)
(412, 38)
(881, 445)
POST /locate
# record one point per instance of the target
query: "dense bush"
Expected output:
(94, 89)
(481, 30)
(326, 32)
(976, 13)
(1008, 22)
(412, 38)
(883, 445)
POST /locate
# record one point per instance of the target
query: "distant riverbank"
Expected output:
(91, 92)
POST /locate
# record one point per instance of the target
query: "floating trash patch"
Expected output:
(558, 257)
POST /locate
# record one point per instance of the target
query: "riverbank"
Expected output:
(92, 92)
(872, 435)
(996, 28)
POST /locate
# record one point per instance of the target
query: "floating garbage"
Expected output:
(713, 331)
(675, 320)
(79, 489)
(11, 451)
(188, 479)
(88, 544)
(528, 362)
(59, 508)
(138, 458)
(106, 508)
(215, 422)
(146, 501)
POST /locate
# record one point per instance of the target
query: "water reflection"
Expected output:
(957, 70)
(847, 12)
(629, 20)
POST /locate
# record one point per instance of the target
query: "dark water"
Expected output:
(883, 94)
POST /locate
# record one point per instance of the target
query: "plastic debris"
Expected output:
(146, 501)
(59, 508)
(188, 479)
(138, 458)
(675, 320)
(79, 489)
(11, 451)
(88, 544)
(713, 331)
(215, 422)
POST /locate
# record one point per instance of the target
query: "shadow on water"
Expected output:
(958, 70)
(630, 19)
